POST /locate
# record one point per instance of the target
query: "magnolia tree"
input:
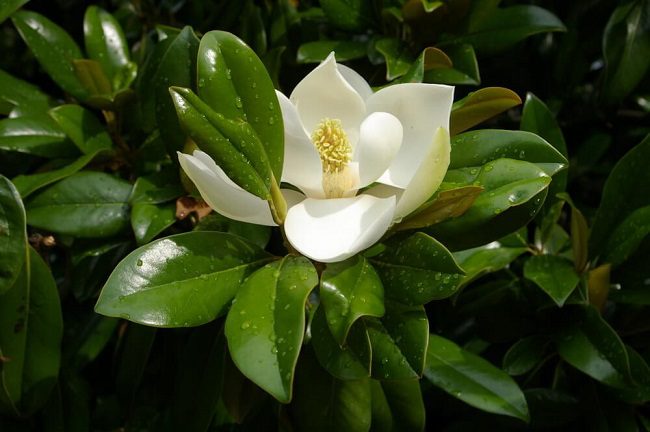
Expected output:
(321, 256)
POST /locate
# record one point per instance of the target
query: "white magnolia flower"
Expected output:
(362, 161)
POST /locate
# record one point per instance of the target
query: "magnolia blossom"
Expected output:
(361, 161)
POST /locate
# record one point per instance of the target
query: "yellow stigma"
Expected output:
(332, 144)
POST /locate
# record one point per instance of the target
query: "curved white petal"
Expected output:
(324, 93)
(292, 197)
(221, 193)
(421, 108)
(427, 177)
(380, 138)
(357, 82)
(302, 166)
(335, 229)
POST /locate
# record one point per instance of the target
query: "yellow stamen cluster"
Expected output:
(332, 144)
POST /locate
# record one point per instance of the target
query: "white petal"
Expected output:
(335, 229)
(380, 138)
(302, 166)
(355, 80)
(324, 93)
(427, 177)
(221, 193)
(421, 108)
(292, 197)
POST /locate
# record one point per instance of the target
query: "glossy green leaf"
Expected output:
(349, 290)
(485, 259)
(233, 81)
(590, 345)
(479, 106)
(626, 48)
(348, 362)
(149, 220)
(13, 234)
(504, 27)
(31, 328)
(476, 148)
(37, 135)
(83, 128)
(348, 14)
(105, 43)
(7, 7)
(200, 271)
(28, 184)
(317, 51)
(216, 136)
(553, 274)
(514, 193)
(524, 355)
(417, 270)
(87, 204)
(174, 65)
(402, 406)
(398, 58)
(53, 48)
(399, 342)
(621, 195)
(627, 237)
(579, 235)
(22, 95)
(256, 234)
(473, 380)
(430, 58)
(323, 403)
(266, 323)
(94, 80)
(463, 71)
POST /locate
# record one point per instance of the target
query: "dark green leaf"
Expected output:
(417, 270)
(83, 128)
(256, 234)
(265, 325)
(233, 81)
(348, 14)
(403, 405)
(86, 340)
(37, 135)
(157, 188)
(349, 290)
(149, 220)
(315, 52)
(87, 204)
(22, 96)
(13, 235)
(553, 274)
(626, 238)
(486, 259)
(53, 48)
(479, 106)
(201, 271)
(473, 380)
(463, 72)
(136, 342)
(524, 355)
(7, 7)
(94, 80)
(398, 58)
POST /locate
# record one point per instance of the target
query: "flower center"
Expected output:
(332, 144)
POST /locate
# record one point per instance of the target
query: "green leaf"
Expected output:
(53, 48)
(402, 406)
(13, 235)
(398, 58)
(627, 236)
(348, 362)
(349, 290)
(137, 342)
(105, 43)
(348, 14)
(86, 338)
(626, 48)
(31, 328)
(399, 342)
(83, 128)
(233, 81)
(149, 220)
(473, 380)
(87, 204)
(514, 192)
(553, 274)
(28, 184)
(200, 270)
(37, 135)
(317, 51)
(476, 148)
(94, 80)
(621, 195)
(429, 58)
(417, 270)
(25, 97)
(256, 234)
(7, 7)
(590, 345)
(265, 325)
(323, 403)
(485, 259)
(479, 106)
(504, 27)
(524, 355)
(463, 71)
(225, 141)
